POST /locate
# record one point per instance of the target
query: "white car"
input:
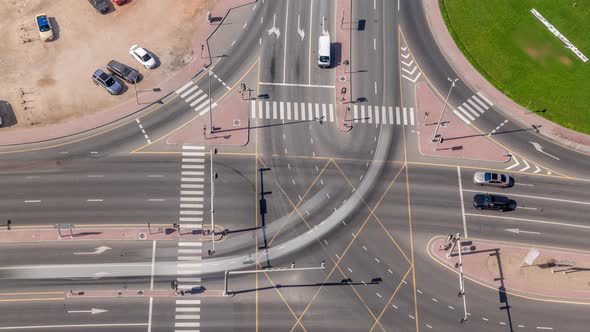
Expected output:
(143, 56)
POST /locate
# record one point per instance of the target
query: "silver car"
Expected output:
(492, 179)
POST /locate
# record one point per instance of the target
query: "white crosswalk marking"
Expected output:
(467, 114)
(461, 117)
(475, 105)
(189, 91)
(194, 103)
(193, 96)
(480, 102)
(284, 110)
(184, 87)
(485, 98)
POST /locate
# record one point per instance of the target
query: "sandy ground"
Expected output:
(56, 76)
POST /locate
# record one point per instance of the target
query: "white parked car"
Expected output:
(143, 56)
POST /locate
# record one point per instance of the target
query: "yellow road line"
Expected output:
(34, 299)
(470, 124)
(539, 299)
(31, 293)
(399, 285)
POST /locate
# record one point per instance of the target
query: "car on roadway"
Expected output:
(107, 81)
(142, 56)
(493, 179)
(119, 2)
(123, 71)
(44, 27)
(493, 202)
(101, 6)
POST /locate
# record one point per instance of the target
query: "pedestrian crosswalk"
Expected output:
(300, 111)
(192, 178)
(473, 107)
(187, 316)
(195, 97)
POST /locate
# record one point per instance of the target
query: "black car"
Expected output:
(123, 71)
(493, 202)
(101, 6)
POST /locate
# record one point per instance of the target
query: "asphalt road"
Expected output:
(358, 201)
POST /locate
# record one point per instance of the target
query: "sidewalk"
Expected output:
(343, 82)
(146, 99)
(498, 264)
(475, 80)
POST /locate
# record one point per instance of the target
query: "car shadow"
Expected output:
(54, 27)
(7, 114)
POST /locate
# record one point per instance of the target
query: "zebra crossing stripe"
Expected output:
(296, 113)
(188, 301)
(363, 114)
(181, 309)
(405, 116)
(377, 117)
(411, 116)
(369, 114)
(356, 113)
(466, 113)
(302, 111)
(190, 219)
(470, 109)
(475, 105)
(461, 116)
(204, 107)
(288, 111)
(480, 102)
(260, 109)
(485, 99)
(324, 113)
(331, 109)
(184, 87)
(282, 110)
(189, 91)
(193, 147)
(190, 244)
(384, 115)
(391, 114)
(309, 112)
(195, 95)
(200, 99)
(274, 110)
(253, 109)
(317, 111)
(397, 116)
(268, 110)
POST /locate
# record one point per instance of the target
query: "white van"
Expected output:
(324, 52)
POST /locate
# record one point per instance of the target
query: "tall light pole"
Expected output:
(212, 129)
(461, 278)
(435, 133)
(213, 151)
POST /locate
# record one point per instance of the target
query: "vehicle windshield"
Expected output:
(486, 199)
(125, 71)
(503, 177)
(44, 28)
(324, 59)
(110, 81)
(488, 176)
(146, 57)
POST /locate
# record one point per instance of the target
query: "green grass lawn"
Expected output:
(523, 59)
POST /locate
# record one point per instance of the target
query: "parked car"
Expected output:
(119, 2)
(44, 27)
(101, 6)
(492, 179)
(123, 71)
(493, 202)
(107, 81)
(142, 56)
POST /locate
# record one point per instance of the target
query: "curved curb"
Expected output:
(512, 292)
(465, 69)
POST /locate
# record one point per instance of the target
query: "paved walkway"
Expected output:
(473, 78)
(146, 98)
(498, 264)
(343, 82)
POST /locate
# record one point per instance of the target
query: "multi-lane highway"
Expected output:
(365, 202)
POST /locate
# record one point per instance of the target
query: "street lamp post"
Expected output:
(435, 133)
(212, 129)
(213, 151)
(461, 279)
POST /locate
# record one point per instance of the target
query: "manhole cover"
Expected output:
(140, 292)
(142, 236)
(342, 78)
(236, 123)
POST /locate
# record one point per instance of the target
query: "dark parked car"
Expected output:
(107, 81)
(123, 71)
(493, 202)
(101, 6)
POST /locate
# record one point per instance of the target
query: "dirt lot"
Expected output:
(56, 76)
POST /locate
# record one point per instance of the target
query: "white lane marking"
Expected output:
(394, 306)
(536, 197)
(96, 176)
(310, 32)
(285, 47)
(535, 221)
(156, 200)
(462, 203)
(524, 184)
(412, 317)
(544, 328)
(428, 326)
(150, 311)
(190, 244)
(484, 319)
(33, 201)
(379, 295)
(31, 327)
(188, 92)
(484, 98)
(181, 309)
(461, 117)
(317, 111)
(419, 291)
(526, 208)
(451, 307)
(435, 300)
(95, 200)
(374, 44)
(397, 116)
(375, 87)
(324, 113)
(539, 148)
(526, 167)
(184, 87)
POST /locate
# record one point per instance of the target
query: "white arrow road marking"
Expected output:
(408, 64)
(413, 80)
(539, 148)
(410, 72)
(299, 30)
(514, 165)
(92, 311)
(274, 28)
(97, 251)
(526, 167)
